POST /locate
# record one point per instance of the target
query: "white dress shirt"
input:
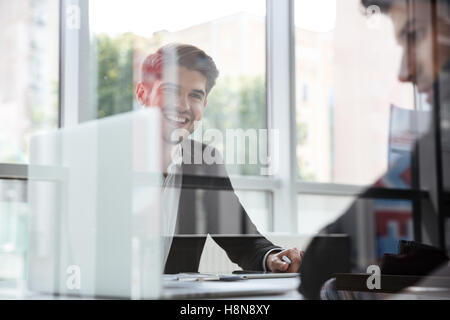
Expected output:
(171, 200)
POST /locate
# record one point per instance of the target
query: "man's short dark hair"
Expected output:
(385, 5)
(184, 55)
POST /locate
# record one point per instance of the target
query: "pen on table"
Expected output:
(286, 259)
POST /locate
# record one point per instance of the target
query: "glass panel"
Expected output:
(346, 78)
(28, 74)
(231, 32)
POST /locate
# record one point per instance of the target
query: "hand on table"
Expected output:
(275, 262)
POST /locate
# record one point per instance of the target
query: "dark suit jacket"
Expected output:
(208, 205)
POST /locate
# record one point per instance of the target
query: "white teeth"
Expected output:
(176, 119)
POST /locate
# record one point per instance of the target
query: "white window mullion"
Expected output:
(74, 54)
(281, 110)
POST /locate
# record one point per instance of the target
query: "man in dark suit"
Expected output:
(198, 198)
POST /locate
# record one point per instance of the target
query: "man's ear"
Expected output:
(205, 103)
(141, 93)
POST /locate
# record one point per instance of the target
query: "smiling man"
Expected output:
(177, 79)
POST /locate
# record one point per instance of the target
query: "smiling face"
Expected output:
(414, 33)
(181, 96)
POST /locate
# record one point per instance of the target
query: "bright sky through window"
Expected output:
(144, 17)
(316, 15)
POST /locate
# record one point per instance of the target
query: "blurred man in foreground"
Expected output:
(422, 29)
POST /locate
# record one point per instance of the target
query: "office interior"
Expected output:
(336, 144)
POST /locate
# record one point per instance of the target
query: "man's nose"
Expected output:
(183, 103)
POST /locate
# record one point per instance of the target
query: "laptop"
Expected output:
(94, 197)
(174, 289)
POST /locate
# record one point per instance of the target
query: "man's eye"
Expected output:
(196, 96)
